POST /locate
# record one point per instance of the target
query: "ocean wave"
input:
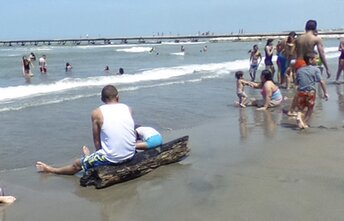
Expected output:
(184, 43)
(135, 49)
(144, 76)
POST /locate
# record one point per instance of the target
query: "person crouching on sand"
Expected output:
(272, 95)
(306, 79)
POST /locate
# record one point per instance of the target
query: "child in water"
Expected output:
(240, 84)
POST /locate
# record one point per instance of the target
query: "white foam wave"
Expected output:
(135, 49)
(183, 43)
(145, 76)
(178, 53)
(331, 49)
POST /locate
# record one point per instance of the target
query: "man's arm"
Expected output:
(321, 51)
(323, 87)
(96, 127)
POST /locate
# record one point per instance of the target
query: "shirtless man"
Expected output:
(306, 43)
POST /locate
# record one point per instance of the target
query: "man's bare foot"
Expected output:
(86, 151)
(242, 105)
(42, 167)
(7, 199)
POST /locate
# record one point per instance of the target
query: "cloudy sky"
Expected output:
(40, 19)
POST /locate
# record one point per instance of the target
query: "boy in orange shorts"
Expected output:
(306, 79)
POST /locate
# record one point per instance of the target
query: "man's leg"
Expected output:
(65, 170)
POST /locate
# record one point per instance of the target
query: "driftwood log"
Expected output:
(142, 163)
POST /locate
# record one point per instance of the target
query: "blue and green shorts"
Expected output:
(94, 160)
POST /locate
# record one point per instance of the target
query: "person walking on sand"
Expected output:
(148, 138)
(43, 64)
(290, 54)
(340, 60)
(306, 79)
(255, 59)
(306, 43)
(113, 135)
(240, 86)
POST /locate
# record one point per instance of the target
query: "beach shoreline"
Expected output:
(258, 168)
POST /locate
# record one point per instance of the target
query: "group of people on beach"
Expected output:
(298, 63)
(28, 64)
(117, 138)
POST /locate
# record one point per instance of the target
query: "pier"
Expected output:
(160, 39)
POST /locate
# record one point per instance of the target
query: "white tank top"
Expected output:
(117, 134)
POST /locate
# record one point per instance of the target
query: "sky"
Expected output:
(58, 19)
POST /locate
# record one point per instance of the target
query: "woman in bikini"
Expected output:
(272, 95)
(340, 60)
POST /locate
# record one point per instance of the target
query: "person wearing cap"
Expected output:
(306, 43)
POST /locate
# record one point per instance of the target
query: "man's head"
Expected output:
(109, 93)
(311, 25)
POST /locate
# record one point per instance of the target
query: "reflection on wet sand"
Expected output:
(121, 199)
(339, 90)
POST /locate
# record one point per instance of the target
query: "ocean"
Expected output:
(48, 117)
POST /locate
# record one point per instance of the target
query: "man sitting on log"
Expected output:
(113, 135)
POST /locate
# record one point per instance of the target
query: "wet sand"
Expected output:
(245, 165)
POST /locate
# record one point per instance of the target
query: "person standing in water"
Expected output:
(26, 64)
(269, 52)
(255, 59)
(340, 60)
(43, 64)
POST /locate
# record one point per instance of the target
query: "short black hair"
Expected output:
(267, 75)
(109, 93)
(292, 34)
(239, 74)
(311, 25)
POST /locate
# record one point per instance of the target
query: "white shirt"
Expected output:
(117, 134)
